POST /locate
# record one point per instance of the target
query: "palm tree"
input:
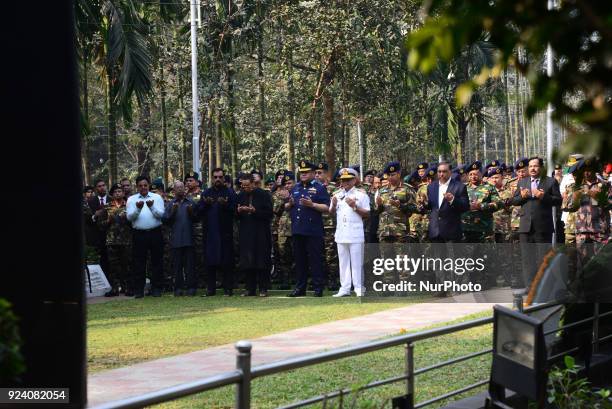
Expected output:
(121, 53)
(447, 78)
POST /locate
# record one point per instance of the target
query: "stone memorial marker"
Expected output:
(99, 283)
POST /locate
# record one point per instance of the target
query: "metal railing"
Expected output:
(243, 375)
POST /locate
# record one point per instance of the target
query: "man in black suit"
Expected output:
(447, 199)
(537, 195)
(96, 204)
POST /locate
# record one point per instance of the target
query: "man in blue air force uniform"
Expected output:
(309, 200)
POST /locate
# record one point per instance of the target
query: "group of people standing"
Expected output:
(316, 224)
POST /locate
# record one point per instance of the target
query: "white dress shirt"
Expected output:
(349, 224)
(443, 187)
(145, 218)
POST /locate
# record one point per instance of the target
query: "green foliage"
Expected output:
(11, 361)
(578, 32)
(567, 391)
(353, 54)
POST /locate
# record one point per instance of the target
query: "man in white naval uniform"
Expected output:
(351, 206)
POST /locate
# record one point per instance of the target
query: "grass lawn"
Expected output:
(282, 389)
(121, 333)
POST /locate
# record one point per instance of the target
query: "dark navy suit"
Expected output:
(307, 232)
(445, 218)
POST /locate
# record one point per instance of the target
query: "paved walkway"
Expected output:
(161, 373)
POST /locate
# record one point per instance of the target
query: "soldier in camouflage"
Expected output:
(477, 223)
(285, 245)
(278, 208)
(501, 217)
(394, 204)
(512, 185)
(419, 222)
(589, 199)
(118, 239)
(329, 226)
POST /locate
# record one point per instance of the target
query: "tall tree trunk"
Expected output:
(318, 135)
(507, 143)
(182, 132)
(262, 101)
(85, 102)
(343, 139)
(347, 141)
(291, 107)
(162, 86)
(329, 132)
(144, 127)
(112, 131)
(218, 140)
(211, 135)
(462, 125)
(203, 136)
(326, 77)
(231, 122)
(520, 137)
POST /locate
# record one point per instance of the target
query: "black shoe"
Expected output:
(111, 293)
(191, 292)
(129, 293)
(178, 293)
(263, 293)
(296, 293)
(209, 294)
(156, 293)
(228, 294)
(318, 293)
(139, 295)
(248, 294)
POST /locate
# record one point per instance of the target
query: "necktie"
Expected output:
(101, 201)
(534, 185)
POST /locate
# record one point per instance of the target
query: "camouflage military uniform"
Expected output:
(331, 251)
(278, 207)
(419, 222)
(502, 217)
(591, 205)
(515, 215)
(394, 226)
(198, 240)
(478, 224)
(570, 221)
(285, 248)
(118, 244)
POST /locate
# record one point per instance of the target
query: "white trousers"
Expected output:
(350, 260)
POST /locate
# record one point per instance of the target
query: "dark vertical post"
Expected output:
(243, 364)
(43, 167)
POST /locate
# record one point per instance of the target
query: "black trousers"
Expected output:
(257, 277)
(533, 246)
(308, 254)
(144, 242)
(211, 279)
(183, 262)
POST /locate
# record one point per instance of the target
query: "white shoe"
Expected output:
(341, 295)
